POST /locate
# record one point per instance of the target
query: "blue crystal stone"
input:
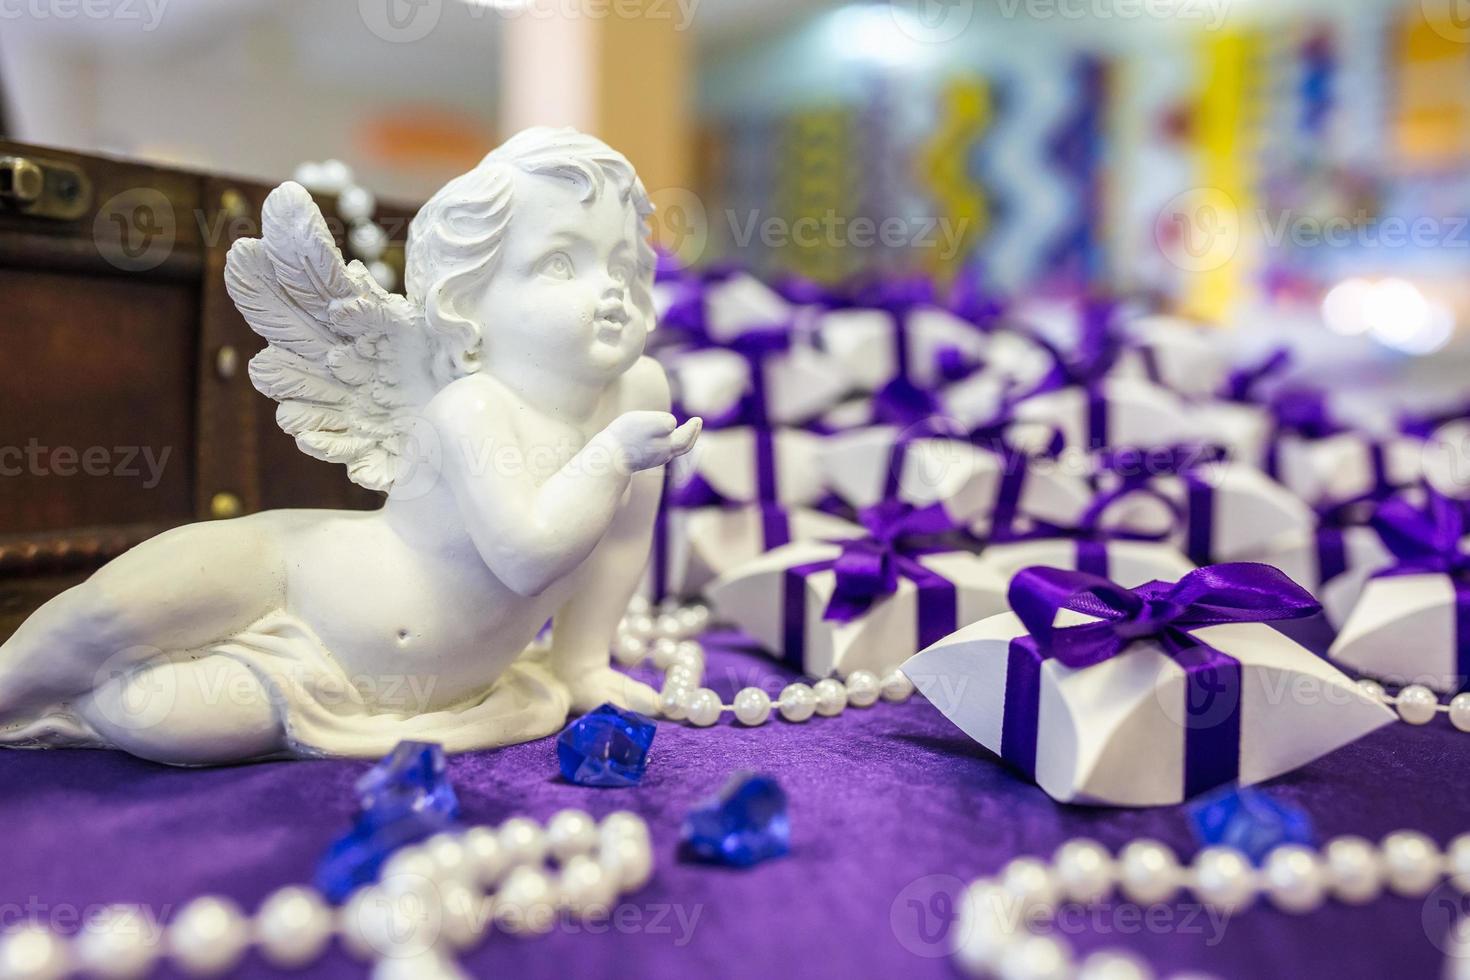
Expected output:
(745, 825)
(605, 747)
(405, 798)
(1249, 821)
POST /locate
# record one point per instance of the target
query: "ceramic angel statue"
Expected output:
(506, 409)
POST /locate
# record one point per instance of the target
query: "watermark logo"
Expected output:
(680, 224)
(1199, 230)
(130, 693)
(136, 229)
(932, 21)
(400, 21)
(1450, 19)
(148, 13)
(923, 914)
(1445, 917)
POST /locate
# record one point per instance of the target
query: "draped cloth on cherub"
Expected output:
(324, 712)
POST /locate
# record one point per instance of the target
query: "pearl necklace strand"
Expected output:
(666, 637)
(431, 901)
(990, 938)
(1417, 704)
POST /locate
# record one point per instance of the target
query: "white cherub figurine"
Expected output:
(506, 409)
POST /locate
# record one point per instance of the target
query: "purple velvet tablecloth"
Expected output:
(891, 809)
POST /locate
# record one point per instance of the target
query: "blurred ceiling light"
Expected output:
(886, 34)
(1343, 306)
(1394, 311)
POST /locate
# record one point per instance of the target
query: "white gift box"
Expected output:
(1114, 734)
(1129, 563)
(753, 597)
(1299, 556)
(862, 342)
(1404, 630)
(1139, 414)
(705, 542)
(1340, 467)
(1242, 430)
(726, 459)
(966, 478)
(1180, 354)
(800, 383)
(1250, 512)
(740, 303)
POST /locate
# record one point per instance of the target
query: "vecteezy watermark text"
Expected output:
(833, 230)
(36, 459)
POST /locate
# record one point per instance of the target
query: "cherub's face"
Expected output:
(561, 295)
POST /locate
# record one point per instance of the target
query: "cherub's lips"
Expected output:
(612, 314)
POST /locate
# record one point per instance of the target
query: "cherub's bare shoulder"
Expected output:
(645, 387)
(467, 402)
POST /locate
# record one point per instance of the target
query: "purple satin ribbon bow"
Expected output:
(1428, 542)
(868, 569)
(1160, 611)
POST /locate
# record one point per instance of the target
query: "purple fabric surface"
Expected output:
(892, 808)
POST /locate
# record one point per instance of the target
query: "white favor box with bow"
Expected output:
(800, 383)
(1114, 734)
(965, 478)
(1130, 563)
(706, 542)
(1340, 467)
(752, 597)
(1297, 555)
(1139, 414)
(1403, 630)
(726, 459)
(1188, 356)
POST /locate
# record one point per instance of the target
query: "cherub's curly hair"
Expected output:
(455, 238)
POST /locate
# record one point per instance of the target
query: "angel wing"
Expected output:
(348, 361)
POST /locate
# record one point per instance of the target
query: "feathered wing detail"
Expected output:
(348, 362)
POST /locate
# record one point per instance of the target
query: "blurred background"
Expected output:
(1291, 168)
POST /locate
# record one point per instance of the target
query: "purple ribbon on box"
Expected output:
(1303, 412)
(903, 401)
(1136, 469)
(1427, 542)
(869, 569)
(1164, 612)
(1087, 365)
(1243, 383)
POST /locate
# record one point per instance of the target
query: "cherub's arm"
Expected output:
(531, 535)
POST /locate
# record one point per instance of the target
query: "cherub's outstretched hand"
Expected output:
(644, 440)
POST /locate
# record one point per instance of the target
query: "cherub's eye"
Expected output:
(621, 273)
(557, 265)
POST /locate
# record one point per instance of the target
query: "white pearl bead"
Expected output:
(367, 241)
(116, 944)
(1224, 878)
(831, 696)
(1372, 689)
(523, 841)
(571, 832)
(689, 653)
(428, 965)
(32, 953)
(620, 824)
(1148, 871)
(1036, 958)
(449, 858)
(334, 176)
(665, 649)
(1112, 964)
(1410, 862)
(526, 901)
(407, 862)
(629, 650)
(208, 936)
(383, 274)
(704, 708)
(752, 706)
(639, 604)
(1031, 883)
(1457, 862)
(629, 861)
(693, 619)
(462, 911)
(640, 624)
(1294, 878)
(863, 688)
(985, 929)
(1084, 870)
(308, 175)
(1460, 712)
(356, 203)
(797, 702)
(585, 887)
(667, 624)
(679, 676)
(293, 926)
(897, 686)
(673, 703)
(351, 918)
(1354, 869)
(486, 855)
(1416, 704)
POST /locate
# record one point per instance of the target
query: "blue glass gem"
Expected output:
(605, 747)
(745, 825)
(405, 798)
(1250, 821)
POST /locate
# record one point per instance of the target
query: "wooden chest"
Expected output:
(125, 408)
